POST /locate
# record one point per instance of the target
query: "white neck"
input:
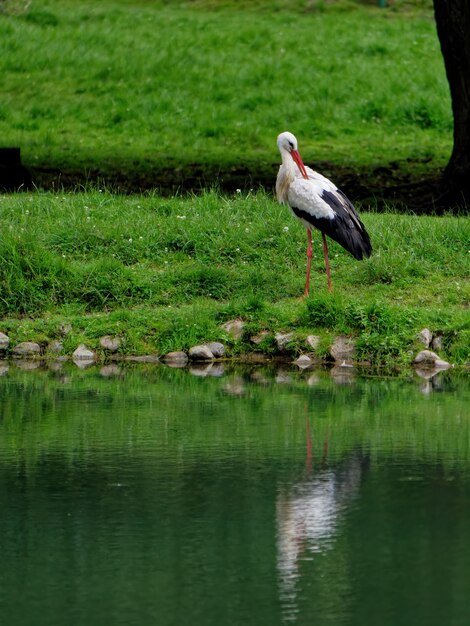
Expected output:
(285, 176)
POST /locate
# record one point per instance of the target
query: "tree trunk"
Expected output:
(453, 28)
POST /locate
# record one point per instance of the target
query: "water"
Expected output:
(153, 496)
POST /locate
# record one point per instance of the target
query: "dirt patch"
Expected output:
(403, 185)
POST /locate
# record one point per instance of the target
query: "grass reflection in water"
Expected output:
(149, 495)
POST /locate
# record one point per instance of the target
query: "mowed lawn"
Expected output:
(136, 86)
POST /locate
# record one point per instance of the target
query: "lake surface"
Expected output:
(152, 496)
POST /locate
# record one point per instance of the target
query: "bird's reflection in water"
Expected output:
(309, 512)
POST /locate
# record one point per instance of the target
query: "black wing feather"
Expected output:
(345, 228)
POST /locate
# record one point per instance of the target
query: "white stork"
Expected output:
(317, 202)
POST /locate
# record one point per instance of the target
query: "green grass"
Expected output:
(166, 273)
(200, 88)
(186, 85)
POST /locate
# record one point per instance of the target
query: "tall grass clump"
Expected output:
(35, 280)
(32, 278)
(385, 332)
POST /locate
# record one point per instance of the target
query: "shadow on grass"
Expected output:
(408, 186)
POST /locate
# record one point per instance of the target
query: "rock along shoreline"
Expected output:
(340, 353)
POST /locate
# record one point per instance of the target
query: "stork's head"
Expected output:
(286, 142)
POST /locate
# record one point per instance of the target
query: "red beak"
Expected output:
(298, 160)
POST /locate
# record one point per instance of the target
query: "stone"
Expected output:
(282, 339)
(4, 341)
(175, 359)
(313, 341)
(257, 339)
(431, 360)
(429, 372)
(441, 364)
(343, 349)
(65, 329)
(176, 364)
(217, 348)
(200, 353)
(142, 358)
(26, 348)
(425, 337)
(303, 361)
(83, 363)
(55, 346)
(83, 353)
(234, 328)
(437, 343)
(426, 356)
(112, 344)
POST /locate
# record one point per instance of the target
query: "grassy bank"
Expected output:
(151, 94)
(164, 274)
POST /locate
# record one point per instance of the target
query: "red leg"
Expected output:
(325, 450)
(309, 261)
(327, 262)
(309, 456)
